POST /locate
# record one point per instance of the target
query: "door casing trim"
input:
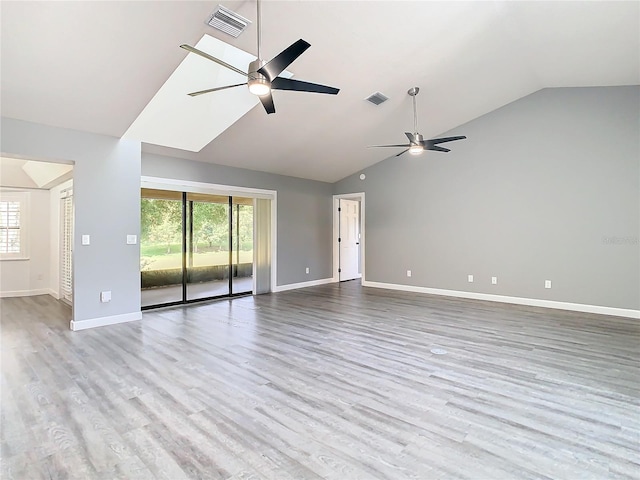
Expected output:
(336, 232)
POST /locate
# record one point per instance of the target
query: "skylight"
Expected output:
(174, 119)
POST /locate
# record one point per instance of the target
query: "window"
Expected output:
(13, 238)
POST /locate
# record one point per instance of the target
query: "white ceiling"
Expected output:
(94, 66)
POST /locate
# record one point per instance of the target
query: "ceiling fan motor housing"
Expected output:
(254, 67)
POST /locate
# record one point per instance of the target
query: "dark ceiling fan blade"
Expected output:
(280, 83)
(191, 49)
(437, 148)
(277, 64)
(267, 103)
(399, 145)
(201, 92)
(435, 141)
(411, 137)
(404, 151)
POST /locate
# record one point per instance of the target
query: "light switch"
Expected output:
(86, 240)
(132, 239)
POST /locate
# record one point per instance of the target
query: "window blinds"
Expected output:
(66, 260)
(10, 227)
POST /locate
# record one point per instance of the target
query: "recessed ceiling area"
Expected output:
(61, 67)
(174, 119)
(19, 173)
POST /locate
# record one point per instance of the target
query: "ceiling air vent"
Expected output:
(377, 98)
(228, 22)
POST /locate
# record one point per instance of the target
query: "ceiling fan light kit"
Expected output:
(263, 77)
(416, 149)
(258, 84)
(417, 144)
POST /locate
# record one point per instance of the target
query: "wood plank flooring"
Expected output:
(332, 382)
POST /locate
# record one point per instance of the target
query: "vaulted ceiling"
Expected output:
(93, 66)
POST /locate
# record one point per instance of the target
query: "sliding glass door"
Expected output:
(241, 244)
(161, 246)
(194, 247)
(208, 246)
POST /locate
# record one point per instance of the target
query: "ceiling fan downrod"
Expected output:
(258, 83)
(259, 21)
(413, 92)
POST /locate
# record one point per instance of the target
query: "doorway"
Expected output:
(36, 248)
(348, 226)
(194, 246)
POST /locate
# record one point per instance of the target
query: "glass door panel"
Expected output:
(161, 246)
(208, 248)
(242, 245)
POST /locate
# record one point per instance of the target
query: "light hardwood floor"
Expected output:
(335, 382)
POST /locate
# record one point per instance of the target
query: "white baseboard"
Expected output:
(293, 286)
(27, 293)
(532, 302)
(103, 321)
(55, 294)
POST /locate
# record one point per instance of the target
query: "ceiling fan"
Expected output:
(417, 144)
(263, 76)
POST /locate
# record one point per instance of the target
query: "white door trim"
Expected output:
(336, 232)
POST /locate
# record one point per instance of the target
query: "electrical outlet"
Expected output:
(470, 278)
(547, 284)
(494, 280)
(408, 273)
(306, 270)
(105, 296)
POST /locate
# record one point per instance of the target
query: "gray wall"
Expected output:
(107, 198)
(304, 217)
(546, 187)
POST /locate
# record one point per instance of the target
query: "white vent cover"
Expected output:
(377, 98)
(228, 21)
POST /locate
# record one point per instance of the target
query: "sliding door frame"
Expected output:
(186, 186)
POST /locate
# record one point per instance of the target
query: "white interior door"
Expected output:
(349, 239)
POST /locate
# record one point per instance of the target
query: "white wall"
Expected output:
(30, 276)
(106, 189)
(545, 188)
